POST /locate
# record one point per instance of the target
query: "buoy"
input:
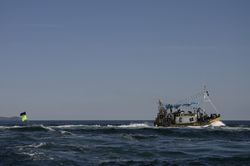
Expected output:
(23, 116)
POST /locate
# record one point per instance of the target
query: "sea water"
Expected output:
(123, 143)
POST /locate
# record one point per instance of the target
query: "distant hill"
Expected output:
(14, 118)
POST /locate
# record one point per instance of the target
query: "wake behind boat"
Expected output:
(186, 113)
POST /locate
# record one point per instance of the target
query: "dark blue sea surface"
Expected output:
(69, 143)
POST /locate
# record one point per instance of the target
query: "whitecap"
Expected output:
(214, 124)
(66, 132)
(3, 127)
(67, 126)
(29, 154)
(47, 127)
(135, 125)
(10, 127)
(218, 124)
(236, 128)
(37, 145)
(76, 126)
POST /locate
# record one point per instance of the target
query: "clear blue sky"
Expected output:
(114, 59)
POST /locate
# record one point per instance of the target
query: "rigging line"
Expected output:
(216, 110)
(190, 98)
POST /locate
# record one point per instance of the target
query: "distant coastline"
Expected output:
(14, 118)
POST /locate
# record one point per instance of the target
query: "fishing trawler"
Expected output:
(187, 112)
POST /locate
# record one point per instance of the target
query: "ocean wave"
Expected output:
(234, 160)
(66, 129)
(75, 126)
(37, 145)
(66, 132)
(28, 128)
(138, 137)
(133, 125)
(28, 154)
(36, 156)
(218, 124)
(133, 162)
(34, 145)
(236, 128)
(10, 127)
(214, 124)
(47, 128)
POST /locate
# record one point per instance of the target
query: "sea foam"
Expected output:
(135, 125)
(218, 124)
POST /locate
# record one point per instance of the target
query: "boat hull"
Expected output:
(207, 123)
